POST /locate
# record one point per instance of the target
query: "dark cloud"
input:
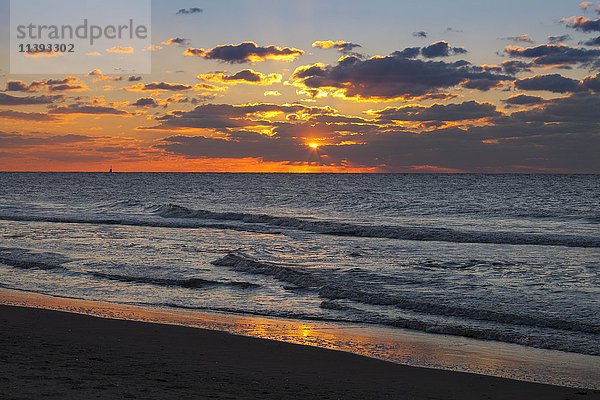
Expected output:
(559, 84)
(177, 41)
(523, 141)
(554, 54)
(246, 52)
(409, 52)
(246, 76)
(87, 109)
(555, 83)
(389, 77)
(523, 100)
(579, 108)
(592, 83)
(134, 78)
(583, 24)
(592, 42)
(8, 100)
(420, 34)
(145, 102)
(483, 84)
(559, 39)
(188, 11)
(437, 49)
(14, 140)
(161, 86)
(226, 116)
(519, 39)
(513, 67)
(27, 116)
(441, 49)
(55, 85)
(450, 112)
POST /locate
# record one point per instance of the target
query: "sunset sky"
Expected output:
(324, 86)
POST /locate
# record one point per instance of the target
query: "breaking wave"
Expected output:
(189, 283)
(27, 259)
(380, 231)
(332, 286)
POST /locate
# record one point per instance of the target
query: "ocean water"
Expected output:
(510, 258)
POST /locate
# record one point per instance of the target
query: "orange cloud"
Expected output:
(120, 50)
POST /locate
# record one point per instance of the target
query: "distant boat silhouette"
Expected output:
(110, 170)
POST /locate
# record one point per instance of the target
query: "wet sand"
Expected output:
(52, 354)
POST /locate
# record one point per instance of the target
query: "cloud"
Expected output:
(8, 100)
(188, 11)
(54, 85)
(519, 39)
(583, 24)
(559, 39)
(145, 102)
(246, 52)
(388, 78)
(271, 93)
(437, 49)
(43, 54)
(246, 77)
(555, 54)
(514, 67)
(493, 141)
(523, 100)
(177, 41)
(169, 87)
(592, 83)
(226, 116)
(441, 49)
(420, 34)
(134, 78)
(99, 76)
(27, 116)
(559, 84)
(120, 50)
(340, 45)
(521, 142)
(555, 83)
(87, 109)
(592, 42)
(470, 110)
(153, 48)
(14, 140)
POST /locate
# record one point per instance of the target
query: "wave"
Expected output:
(334, 286)
(381, 231)
(174, 216)
(134, 222)
(189, 283)
(481, 333)
(27, 259)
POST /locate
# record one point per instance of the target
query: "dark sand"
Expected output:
(56, 355)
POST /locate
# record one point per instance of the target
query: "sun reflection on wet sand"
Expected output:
(395, 345)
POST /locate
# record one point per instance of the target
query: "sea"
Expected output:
(505, 258)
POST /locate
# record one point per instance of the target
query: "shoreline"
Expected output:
(55, 354)
(411, 349)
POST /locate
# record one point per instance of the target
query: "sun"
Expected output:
(313, 145)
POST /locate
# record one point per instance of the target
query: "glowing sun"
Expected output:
(313, 145)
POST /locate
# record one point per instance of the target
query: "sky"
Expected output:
(322, 86)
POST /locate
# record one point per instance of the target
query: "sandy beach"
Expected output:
(51, 354)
